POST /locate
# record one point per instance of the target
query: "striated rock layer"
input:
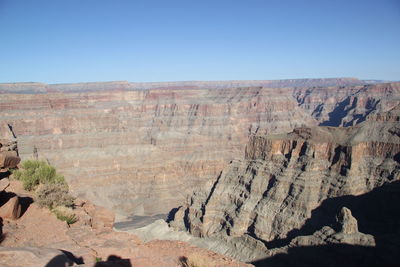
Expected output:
(140, 148)
(347, 105)
(35, 236)
(273, 193)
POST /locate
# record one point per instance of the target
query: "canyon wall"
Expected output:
(347, 105)
(140, 148)
(275, 192)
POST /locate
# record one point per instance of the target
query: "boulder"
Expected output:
(101, 217)
(9, 159)
(11, 210)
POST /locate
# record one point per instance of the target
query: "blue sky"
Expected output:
(57, 41)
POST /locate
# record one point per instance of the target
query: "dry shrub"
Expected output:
(53, 195)
(65, 214)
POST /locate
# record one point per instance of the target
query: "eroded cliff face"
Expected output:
(140, 148)
(141, 152)
(347, 105)
(272, 194)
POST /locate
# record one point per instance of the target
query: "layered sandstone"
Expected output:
(347, 105)
(274, 194)
(34, 236)
(140, 148)
(141, 152)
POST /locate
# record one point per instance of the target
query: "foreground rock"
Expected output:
(4, 183)
(11, 210)
(38, 238)
(9, 159)
(32, 256)
(10, 206)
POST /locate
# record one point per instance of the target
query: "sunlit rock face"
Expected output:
(140, 148)
(272, 192)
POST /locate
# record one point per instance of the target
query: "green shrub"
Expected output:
(51, 189)
(65, 214)
(53, 195)
(35, 172)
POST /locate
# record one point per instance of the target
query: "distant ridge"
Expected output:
(37, 87)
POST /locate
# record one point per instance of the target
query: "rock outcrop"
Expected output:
(38, 238)
(10, 206)
(272, 195)
(326, 247)
(9, 159)
(100, 216)
(11, 210)
(347, 233)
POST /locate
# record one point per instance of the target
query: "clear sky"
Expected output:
(57, 41)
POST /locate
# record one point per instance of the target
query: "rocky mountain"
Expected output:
(288, 187)
(140, 148)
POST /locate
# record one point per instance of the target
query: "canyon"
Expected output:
(141, 148)
(273, 173)
(35, 235)
(280, 190)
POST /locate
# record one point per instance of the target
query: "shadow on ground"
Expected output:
(114, 261)
(72, 260)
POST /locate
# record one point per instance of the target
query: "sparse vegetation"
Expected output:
(53, 195)
(35, 172)
(51, 189)
(65, 214)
